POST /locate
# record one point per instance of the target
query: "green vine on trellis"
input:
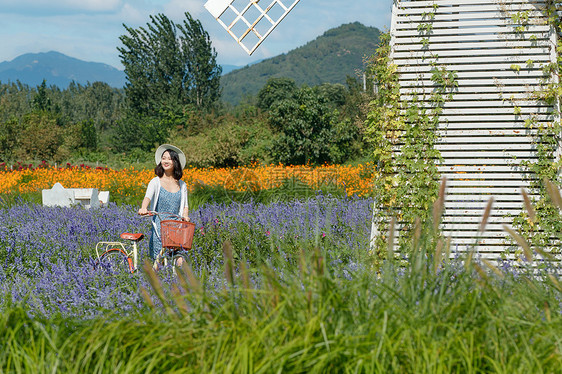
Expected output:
(521, 19)
(545, 223)
(403, 134)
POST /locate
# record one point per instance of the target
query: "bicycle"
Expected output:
(176, 235)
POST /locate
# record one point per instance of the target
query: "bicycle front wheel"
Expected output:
(180, 257)
(115, 258)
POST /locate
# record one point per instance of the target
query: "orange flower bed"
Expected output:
(356, 180)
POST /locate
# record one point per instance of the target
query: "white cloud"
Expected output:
(42, 7)
(94, 5)
(133, 15)
(176, 8)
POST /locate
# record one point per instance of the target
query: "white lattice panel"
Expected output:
(482, 140)
(248, 21)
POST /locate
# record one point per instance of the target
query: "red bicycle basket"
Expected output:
(177, 234)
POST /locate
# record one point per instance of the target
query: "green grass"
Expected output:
(289, 190)
(11, 199)
(425, 317)
(201, 195)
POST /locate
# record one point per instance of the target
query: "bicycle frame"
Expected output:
(132, 253)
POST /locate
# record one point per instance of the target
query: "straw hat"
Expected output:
(163, 148)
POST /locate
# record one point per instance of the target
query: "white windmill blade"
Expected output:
(246, 21)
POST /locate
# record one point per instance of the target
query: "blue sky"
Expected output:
(89, 29)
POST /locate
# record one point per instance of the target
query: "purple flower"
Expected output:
(47, 255)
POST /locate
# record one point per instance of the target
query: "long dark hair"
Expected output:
(178, 172)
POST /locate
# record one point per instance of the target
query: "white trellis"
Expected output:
(483, 137)
(247, 21)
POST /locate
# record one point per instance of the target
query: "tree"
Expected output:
(139, 132)
(15, 100)
(304, 123)
(169, 65)
(42, 101)
(41, 137)
(334, 93)
(96, 101)
(200, 59)
(275, 89)
(88, 135)
(9, 136)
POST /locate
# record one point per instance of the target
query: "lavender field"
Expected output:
(48, 257)
(278, 287)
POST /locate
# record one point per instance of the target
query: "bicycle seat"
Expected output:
(134, 237)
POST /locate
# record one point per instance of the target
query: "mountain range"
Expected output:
(330, 58)
(59, 70)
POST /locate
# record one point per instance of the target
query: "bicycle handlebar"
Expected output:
(167, 214)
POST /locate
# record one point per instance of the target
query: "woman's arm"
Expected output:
(143, 211)
(185, 202)
(150, 192)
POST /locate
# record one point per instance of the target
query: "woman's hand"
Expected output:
(143, 211)
(186, 218)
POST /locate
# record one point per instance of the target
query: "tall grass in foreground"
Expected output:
(429, 316)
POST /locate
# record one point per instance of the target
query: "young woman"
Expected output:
(166, 192)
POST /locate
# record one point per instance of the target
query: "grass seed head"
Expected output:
(448, 249)
(438, 255)
(244, 273)
(228, 261)
(417, 233)
(154, 281)
(554, 193)
(146, 297)
(493, 267)
(179, 300)
(528, 205)
(390, 248)
(318, 262)
(481, 272)
(468, 262)
(522, 243)
(555, 282)
(439, 204)
(545, 255)
(192, 282)
(547, 311)
(486, 215)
